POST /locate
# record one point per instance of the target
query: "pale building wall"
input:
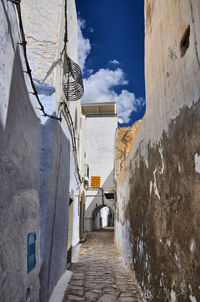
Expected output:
(100, 148)
(19, 167)
(157, 190)
(100, 132)
(9, 37)
(45, 36)
(36, 159)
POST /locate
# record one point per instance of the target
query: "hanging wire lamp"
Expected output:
(72, 80)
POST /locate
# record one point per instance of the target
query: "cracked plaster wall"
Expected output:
(158, 189)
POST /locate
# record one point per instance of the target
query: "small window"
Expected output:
(31, 248)
(109, 195)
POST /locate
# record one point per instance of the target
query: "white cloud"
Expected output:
(90, 71)
(99, 87)
(114, 62)
(84, 45)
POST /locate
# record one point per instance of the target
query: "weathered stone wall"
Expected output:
(157, 215)
(124, 138)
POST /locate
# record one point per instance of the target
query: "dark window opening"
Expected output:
(70, 201)
(109, 195)
(31, 252)
(185, 41)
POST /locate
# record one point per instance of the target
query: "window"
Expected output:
(31, 247)
(109, 195)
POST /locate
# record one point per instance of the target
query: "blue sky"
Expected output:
(111, 54)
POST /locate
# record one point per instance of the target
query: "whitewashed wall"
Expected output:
(36, 160)
(100, 148)
(19, 167)
(100, 133)
(45, 30)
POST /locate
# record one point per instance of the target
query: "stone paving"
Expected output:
(99, 274)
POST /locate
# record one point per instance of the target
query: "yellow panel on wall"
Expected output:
(95, 181)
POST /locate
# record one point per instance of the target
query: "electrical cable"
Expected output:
(23, 44)
(65, 110)
(68, 118)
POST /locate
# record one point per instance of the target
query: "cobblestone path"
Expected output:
(99, 274)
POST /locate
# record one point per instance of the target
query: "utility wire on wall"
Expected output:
(73, 91)
(72, 74)
(23, 44)
(68, 118)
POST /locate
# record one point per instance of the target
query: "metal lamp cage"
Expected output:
(72, 80)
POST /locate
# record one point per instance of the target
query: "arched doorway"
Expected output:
(102, 216)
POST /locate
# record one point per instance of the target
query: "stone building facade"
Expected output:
(157, 214)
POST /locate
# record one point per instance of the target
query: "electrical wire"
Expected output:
(68, 118)
(65, 110)
(23, 44)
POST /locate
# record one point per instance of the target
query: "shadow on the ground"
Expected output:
(106, 229)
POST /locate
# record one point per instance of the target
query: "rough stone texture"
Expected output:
(124, 138)
(99, 274)
(157, 215)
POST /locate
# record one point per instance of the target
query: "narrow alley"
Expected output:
(98, 273)
(100, 127)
